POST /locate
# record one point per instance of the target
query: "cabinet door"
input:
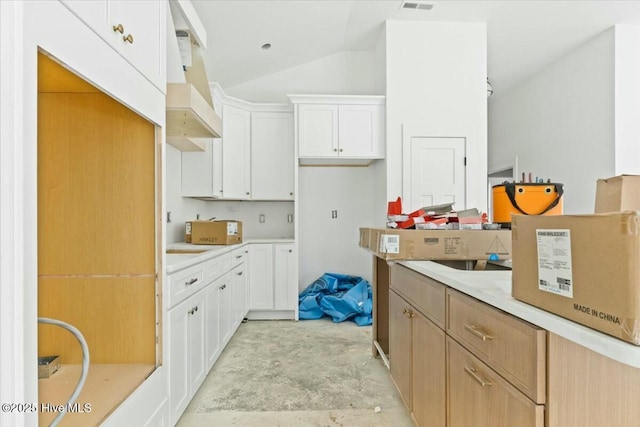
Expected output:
(93, 13)
(400, 346)
(202, 171)
(144, 24)
(212, 322)
(224, 303)
(479, 397)
(238, 295)
(236, 155)
(285, 278)
(197, 340)
(272, 157)
(179, 396)
(261, 296)
(428, 372)
(143, 20)
(359, 131)
(317, 130)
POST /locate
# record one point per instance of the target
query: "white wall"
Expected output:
(331, 245)
(627, 99)
(560, 122)
(436, 80)
(342, 73)
(380, 166)
(184, 208)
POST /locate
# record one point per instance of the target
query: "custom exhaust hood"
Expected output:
(191, 118)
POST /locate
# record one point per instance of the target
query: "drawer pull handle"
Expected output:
(191, 282)
(475, 331)
(238, 256)
(474, 375)
(222, 287)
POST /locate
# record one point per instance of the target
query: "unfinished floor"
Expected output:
(307, 373)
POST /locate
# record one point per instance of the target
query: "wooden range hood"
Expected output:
(191, 118)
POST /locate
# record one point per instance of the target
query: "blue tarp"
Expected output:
(339, 296)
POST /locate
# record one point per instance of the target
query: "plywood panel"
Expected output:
(96, 187)
(116, 315)
(106, 387)
(588, 389)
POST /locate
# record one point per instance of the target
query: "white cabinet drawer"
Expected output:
(185, 282)
(216, 267)
(238, 256)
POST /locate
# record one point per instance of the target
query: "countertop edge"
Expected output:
(211, 251)
(599, 342)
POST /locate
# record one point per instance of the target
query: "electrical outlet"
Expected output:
(261, 218)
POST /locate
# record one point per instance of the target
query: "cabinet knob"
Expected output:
(291, 194)
(247, 193)
(118, 28)
(335, 149)
(290, 250)
(128, 38)
(239, 273)
(341, 150)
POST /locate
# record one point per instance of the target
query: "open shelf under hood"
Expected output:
(190, 118)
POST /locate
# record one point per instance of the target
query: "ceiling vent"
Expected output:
(416, 5)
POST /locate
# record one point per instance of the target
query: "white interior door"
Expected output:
(437, 172)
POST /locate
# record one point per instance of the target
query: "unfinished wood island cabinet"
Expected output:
(98, 240)
(417, 344)
(458, 362)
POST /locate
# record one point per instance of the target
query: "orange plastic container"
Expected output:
(525, 199)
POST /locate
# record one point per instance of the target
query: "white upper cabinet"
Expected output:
(272, 156)
(236, 153)
(202, 171)
(339, 129)
(134, 28)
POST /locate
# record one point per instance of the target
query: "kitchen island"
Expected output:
(519, 365)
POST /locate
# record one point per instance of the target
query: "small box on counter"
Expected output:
(219, 232)
(582, 267)
(619, 193)
(395, 244)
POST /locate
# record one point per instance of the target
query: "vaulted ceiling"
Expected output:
(522, 36)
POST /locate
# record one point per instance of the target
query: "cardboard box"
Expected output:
(619, 193)
(223, 232)
(582, 267)
(394, 244)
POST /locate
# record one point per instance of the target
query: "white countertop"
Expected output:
(177, 262)
(494, 288)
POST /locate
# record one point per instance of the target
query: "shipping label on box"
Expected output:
(554, 262)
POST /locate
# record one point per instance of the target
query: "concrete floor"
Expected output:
(307, 373)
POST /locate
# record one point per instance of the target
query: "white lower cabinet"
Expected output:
(273, 284)
(202, 321)
(187, 366)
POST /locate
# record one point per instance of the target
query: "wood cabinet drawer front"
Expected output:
(238, 256)
(479, 397)
(184, 283)
(427, 295)
(217, 266)
(514, 348)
